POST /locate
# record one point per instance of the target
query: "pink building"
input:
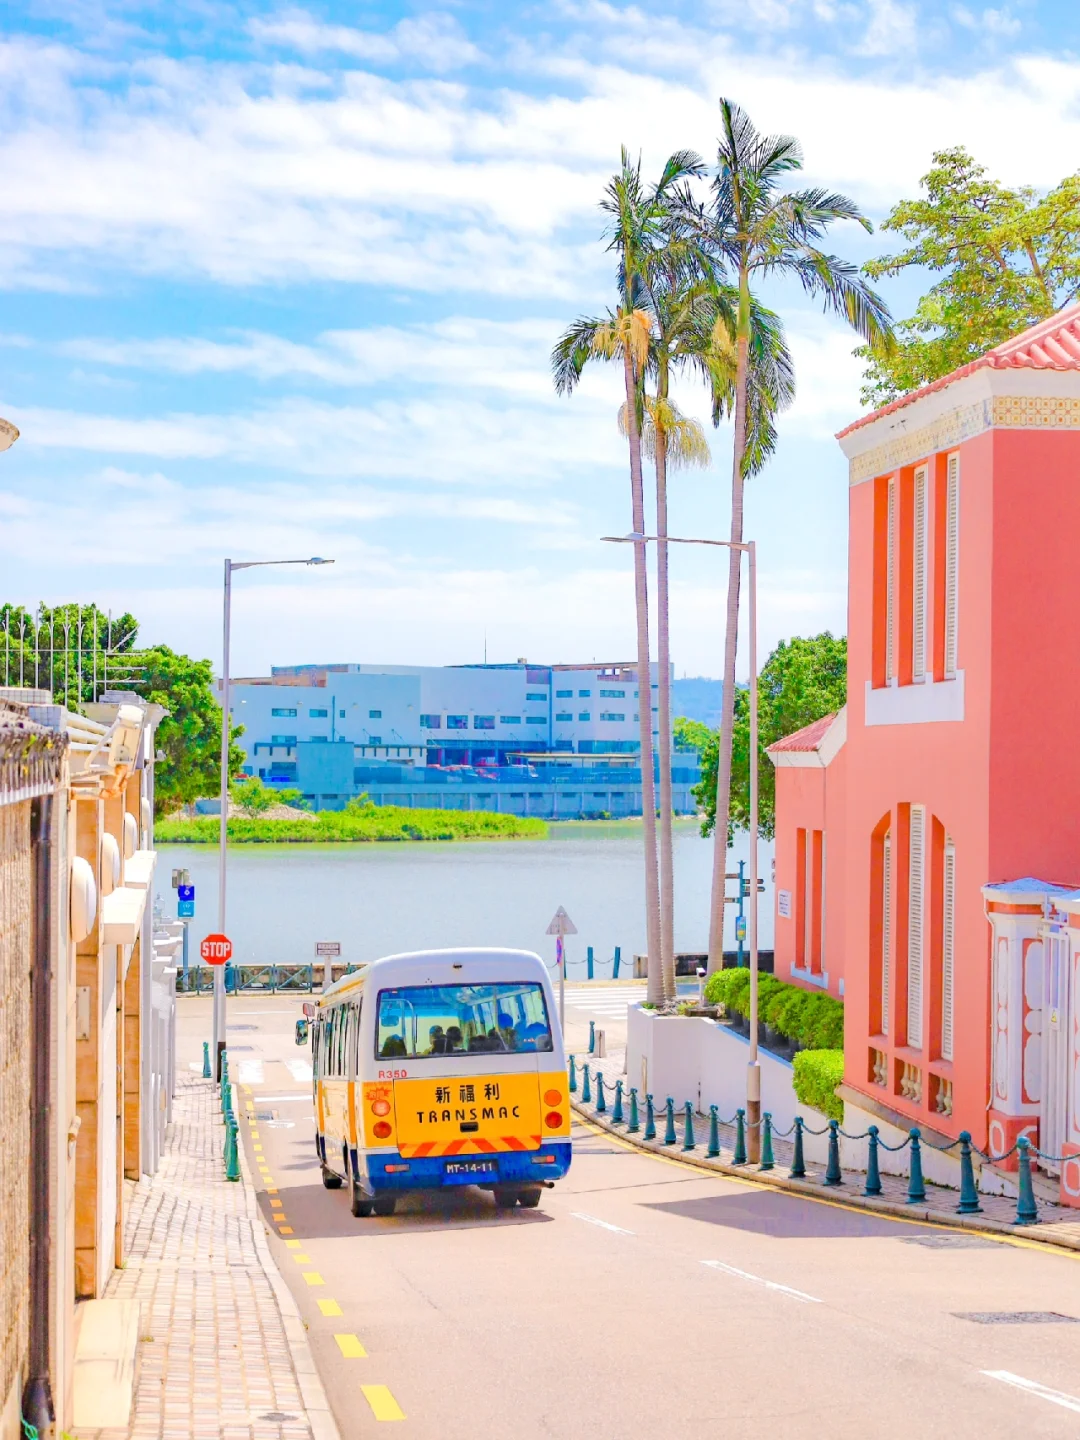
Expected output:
(910, 825)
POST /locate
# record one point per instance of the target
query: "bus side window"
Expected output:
(316, 1036)
(331, 1029)
(354, 1033)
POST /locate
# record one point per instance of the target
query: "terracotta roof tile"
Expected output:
(808, 738)
(1053, 344)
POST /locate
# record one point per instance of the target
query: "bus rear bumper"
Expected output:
(388, 1170)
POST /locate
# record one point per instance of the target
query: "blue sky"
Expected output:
(283, 280)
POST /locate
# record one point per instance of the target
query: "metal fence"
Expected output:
(253, 979)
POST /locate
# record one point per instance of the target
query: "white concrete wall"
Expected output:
(692, 1058)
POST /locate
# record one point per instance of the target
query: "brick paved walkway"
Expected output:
(1058, 1223)
(222, 1353)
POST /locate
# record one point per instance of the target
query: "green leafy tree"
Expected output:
(190, 735)
(73, 651)
(253, 797)
(691, 734)
(802, 681)
(756, 231)
(1007, 259)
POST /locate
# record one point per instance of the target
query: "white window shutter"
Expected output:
(886, 929)
(918, 586)
(916, 873)
(948, 931)
(952, 556)
(890, 586)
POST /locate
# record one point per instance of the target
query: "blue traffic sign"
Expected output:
(185, 909)
(740, 928)
(185, 892)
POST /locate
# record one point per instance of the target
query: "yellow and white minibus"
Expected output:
(442, 1067)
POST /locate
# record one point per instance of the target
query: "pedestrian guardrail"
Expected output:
(625, 1109)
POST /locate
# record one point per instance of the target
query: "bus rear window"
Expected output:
(417, 1022)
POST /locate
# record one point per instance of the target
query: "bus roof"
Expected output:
(415, 959)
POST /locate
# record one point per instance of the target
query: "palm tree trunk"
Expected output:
(641, 599)
(663, 656)
(731, 638)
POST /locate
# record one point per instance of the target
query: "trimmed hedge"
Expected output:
(811, 1017)
(817, 1074)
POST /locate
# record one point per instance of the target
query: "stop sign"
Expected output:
(216, 949)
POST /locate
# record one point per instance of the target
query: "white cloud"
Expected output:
(891, 30)
(435, 40)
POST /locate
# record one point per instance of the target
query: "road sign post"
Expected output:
(328, 951)
(561, 925)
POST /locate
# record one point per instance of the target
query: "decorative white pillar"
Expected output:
(1015, 911)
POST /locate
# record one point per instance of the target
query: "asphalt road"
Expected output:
(643, 1298)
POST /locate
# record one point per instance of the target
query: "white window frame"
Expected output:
(916, 925)
(952, 563)
(920, 566)
(948, 950)
(886, 929)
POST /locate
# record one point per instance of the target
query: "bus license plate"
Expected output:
(464, 1172)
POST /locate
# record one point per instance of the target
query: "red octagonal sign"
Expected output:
(216, 949)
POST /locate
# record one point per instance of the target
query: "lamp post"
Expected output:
(753, 1070)
(226, 727)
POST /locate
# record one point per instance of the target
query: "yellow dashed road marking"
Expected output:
(383, 1405)
(285, 1230)
(302, 1259)
(350, 1347)
(328, 1307)
(313, 1277)
(293, 1244)
(276, 1204)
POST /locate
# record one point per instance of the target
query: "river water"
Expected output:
(382, 898)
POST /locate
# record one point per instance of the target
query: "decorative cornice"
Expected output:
(31, 756)
(997, 412)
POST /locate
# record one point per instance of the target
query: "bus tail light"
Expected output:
(382, 1130)
(394, 1169)
(553, 1120)
(380, 1107)
(543, 1159)
(553, 1097)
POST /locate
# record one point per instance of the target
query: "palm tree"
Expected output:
(635, 228)
(753, 229)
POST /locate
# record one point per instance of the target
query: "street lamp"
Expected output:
(226, 727)
(753, 1072)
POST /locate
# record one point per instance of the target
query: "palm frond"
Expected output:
(841, 287)
(572, 351)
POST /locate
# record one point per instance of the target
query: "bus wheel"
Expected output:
(385, 1204)
(330, 1180)
(529, 1198)
(360, 1207)
(505, 1198)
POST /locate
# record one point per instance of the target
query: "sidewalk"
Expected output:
(1058, 1224)
(222, 1349)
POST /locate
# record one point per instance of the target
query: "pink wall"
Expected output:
(1035, 707)
(944, 766)
(811, 798)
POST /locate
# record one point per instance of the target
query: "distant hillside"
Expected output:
(698, 698)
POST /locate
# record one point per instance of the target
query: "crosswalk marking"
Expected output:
(251, 1072)
(300, 1070)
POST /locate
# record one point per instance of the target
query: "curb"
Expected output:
(317, 1407)
(838, 1195)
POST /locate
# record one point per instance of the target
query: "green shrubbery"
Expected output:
(811, 1017)
(817, 1074)
(357, 823)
